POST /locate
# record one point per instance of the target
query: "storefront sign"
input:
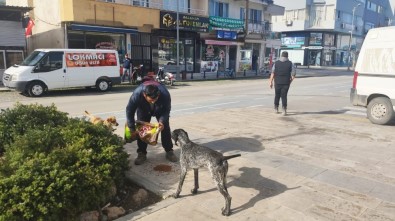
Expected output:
(292, 42)
(105, 45)
(220, 23)
(90, 59)
(231, 35)
(214, 42)
(186, 22)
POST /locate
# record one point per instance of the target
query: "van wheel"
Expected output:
(36, 89)
(103, 85)
(380, 110)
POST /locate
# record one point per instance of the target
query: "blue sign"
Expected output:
(231, 35)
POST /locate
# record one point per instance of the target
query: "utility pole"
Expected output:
(349, 42)
(178, 44)
(246, 18)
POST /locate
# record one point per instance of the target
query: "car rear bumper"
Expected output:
(356, 99)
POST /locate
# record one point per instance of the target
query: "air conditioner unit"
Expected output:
(288, 22)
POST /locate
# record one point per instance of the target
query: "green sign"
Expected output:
(220, 23)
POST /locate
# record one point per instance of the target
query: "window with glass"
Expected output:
(255, 16)
(96, 40)
(368, 26)
(217, 8)
(315, 39)
(51, 62)
(183, 5)
(13, 57)
(329, 39)
(371, 6)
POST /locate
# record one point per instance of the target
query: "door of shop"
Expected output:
(232, 57)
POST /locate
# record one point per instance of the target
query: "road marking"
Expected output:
(200, 107)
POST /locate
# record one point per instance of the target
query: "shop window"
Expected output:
(13, 57)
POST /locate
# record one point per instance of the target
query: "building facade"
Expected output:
(213, 34)
(331, 32)
(12, 36)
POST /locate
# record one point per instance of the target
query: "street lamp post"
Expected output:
(349, 42)
(178, 46)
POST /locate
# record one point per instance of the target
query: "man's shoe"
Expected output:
(276, 110)
(170, 156)
(141, 158)
(284, 111)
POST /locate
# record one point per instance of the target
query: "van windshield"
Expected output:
(33, 58)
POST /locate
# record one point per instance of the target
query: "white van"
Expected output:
(374, 77)
(46, 69)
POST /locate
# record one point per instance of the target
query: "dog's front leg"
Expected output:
(182, 178)
(196, 176)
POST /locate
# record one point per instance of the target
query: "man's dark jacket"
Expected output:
(282, 72)
(138, 103)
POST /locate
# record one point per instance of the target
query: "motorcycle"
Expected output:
(165, 78)
(137, 75)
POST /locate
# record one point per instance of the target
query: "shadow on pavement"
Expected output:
(245, 144)
(266, 187)
(319, 112)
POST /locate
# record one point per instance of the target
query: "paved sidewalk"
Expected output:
(310, 171)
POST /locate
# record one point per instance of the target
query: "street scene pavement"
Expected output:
(305, 166)
(323, 161)
(296, 167)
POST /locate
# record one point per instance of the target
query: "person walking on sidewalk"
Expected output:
(150, 99)
(126, 68)
(283, 73)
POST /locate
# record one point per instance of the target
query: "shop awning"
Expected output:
(81, 27)
(215, 42)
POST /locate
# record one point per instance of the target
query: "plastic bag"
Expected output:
(128, 134)
(148, 132)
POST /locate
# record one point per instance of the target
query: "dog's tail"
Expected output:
(231, 156)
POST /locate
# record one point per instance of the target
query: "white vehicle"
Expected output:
(374, 76)
(47, 69)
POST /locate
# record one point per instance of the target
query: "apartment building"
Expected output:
(329, 32)
(212, 34)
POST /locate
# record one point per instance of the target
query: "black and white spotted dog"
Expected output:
(195, 156)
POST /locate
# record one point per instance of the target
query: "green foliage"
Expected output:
(53, 167)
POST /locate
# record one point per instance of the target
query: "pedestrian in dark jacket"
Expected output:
(126, 68)
(151, 99)
(283, 73)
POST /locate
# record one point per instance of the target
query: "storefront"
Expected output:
(221, 45)
(100, 37)
(164, 42)
(310, 48)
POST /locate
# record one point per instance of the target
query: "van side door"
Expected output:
(51, 70)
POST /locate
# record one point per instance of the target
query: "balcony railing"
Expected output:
(259, 27)
(149, 4)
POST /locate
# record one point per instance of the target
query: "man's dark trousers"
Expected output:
(281, 90)
(165, 135)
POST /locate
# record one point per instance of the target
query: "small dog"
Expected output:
(110, 122)
(195, 156)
